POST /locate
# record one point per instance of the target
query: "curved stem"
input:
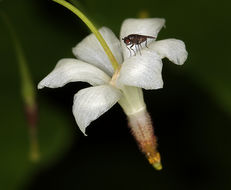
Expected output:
(27, 91)
(93, 29)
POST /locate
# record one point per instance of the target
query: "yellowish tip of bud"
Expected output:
(154, 160)
(34, 157)
(143, 14)
(157, 166)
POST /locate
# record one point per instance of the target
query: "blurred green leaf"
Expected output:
(54, 126)
(54, 139)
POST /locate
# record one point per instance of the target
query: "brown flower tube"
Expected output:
(141, 127)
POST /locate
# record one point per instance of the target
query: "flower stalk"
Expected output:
(27, 92)
(93, 29)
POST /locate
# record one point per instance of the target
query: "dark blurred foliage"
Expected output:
(191, 113)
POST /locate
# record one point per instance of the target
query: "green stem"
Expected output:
(27, 90)
(93, 29)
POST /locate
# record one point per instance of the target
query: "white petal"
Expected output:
(90, 103)
(173, 49)
(142, 71)
(142, 26)
(73, 70)
(91, 51)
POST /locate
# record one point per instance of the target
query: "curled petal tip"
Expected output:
(39, 86)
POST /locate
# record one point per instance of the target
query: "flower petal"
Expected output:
(73, 70)
(173, 49)
(91, 51)
(142, 71)
(142, 26)
(90, 103)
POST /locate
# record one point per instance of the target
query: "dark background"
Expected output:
(191, 114)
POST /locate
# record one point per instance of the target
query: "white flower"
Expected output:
(124, 86)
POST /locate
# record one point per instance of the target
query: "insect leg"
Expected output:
(146, 43)
(139, 47)
(129, 51)
(132, 49)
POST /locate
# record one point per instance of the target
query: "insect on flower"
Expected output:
(137, 40)
(102, 61)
